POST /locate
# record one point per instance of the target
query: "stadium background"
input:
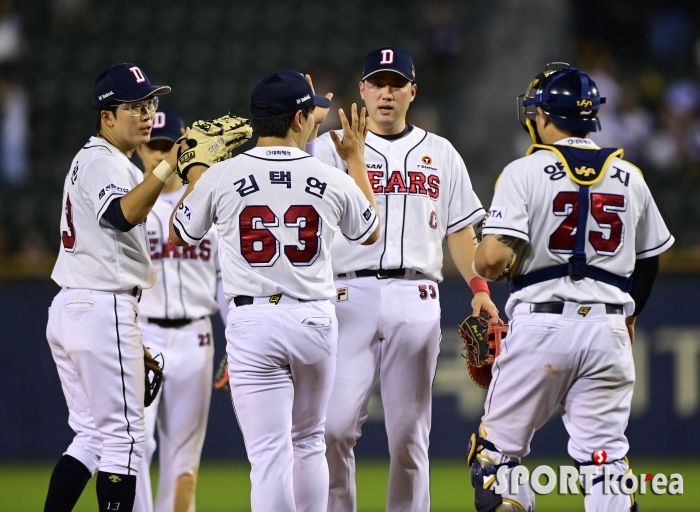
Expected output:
(472, 58)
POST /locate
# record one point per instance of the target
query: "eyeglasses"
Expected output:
(139, 108)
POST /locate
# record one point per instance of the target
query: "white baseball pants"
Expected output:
(180, 410)
(95, 341)
(281, 364)
(388, 329)
(579, 360)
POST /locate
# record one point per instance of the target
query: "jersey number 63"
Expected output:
(261, 248)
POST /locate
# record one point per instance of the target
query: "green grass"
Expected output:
(225, 487)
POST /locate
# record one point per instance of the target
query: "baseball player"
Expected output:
(102, 266)
(277, 209)
(586, 235)
(174, 320)
(387, 297)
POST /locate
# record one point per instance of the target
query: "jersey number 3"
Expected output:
(604, 209)
(68, 237)
(261, 248)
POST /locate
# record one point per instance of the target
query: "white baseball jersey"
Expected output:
(93, 254)
(277, 209)
(187, 276)
(535, 201)
(423, 193)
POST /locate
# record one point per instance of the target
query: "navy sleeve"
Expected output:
(115, 216)
(643, 277)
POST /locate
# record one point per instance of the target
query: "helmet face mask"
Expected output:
(569, 98)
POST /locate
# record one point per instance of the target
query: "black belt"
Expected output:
(557, 308)
(136, 292)
(247, 300)
(170, 322)
(383, 273)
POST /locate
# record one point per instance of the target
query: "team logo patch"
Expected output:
(583, 311)
(585, 171)
(112, 188)
(584, 103)
(114, 479)
(275, 299)
(426, 160)
(341, 294)
(496, 214)
(368, 213)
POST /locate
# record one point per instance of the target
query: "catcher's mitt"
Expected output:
(211, 142)
(153, 375)
(482, 344)
(221, 377)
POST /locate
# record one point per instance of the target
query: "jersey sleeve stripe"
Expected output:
(108, 201)
(506, 231)
(192, 240)
(468, 217)
(648, 253)
(366, 234)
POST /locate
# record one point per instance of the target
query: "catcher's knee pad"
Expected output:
(601, 498)
(484, 461)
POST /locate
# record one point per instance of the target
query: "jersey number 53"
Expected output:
(604, 209)
(261, 248)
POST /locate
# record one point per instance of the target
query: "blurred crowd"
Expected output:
(645, 58)
(643, 54)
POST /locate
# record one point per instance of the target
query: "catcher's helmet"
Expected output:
(568, 97)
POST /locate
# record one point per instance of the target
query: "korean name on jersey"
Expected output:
(423, 193)
(534, 202)
(93, 254)
(276, 209)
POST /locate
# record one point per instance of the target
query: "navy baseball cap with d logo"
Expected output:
(389, 58)
(124, 82)
(167, 125)
(282, 93)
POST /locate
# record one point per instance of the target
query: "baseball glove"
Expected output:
(482, 345)
(221, 377)
(153, 375)
(211, 142)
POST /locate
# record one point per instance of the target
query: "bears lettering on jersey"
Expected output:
(172, 251)
(418, 183)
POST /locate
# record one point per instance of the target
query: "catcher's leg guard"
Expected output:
(601, 500)
(484, 459)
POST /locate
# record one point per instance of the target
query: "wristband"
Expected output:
(163, 171)
(478, 285)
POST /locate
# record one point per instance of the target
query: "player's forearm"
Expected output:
(193, 176)
(493, 255)
(138, 202)
(462, 245)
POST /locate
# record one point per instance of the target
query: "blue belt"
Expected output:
(565, 270)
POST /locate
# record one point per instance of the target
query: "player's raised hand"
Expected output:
(353, 142)
(320, 113)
